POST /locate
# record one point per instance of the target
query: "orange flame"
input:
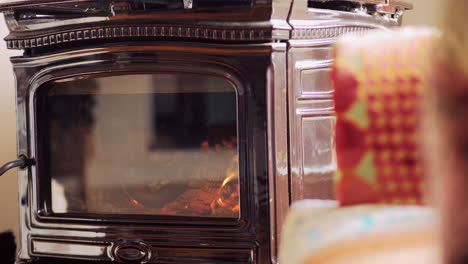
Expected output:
(213, 197)
(205, 144)
(229, 190)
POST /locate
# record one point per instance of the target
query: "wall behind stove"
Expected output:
(8, 182)
(426, 13)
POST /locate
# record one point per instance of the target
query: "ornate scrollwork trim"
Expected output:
(142, 31)
(328, 32)
(177, 31)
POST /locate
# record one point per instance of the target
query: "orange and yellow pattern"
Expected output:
(379, 82)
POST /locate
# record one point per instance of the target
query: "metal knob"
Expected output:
(128, 252)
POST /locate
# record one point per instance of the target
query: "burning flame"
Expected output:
(229, 178)
(228, 192)
(214, 197)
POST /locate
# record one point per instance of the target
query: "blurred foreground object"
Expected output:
(319, 232)
(448, 133)
(379, 81)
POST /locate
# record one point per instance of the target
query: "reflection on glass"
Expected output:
(163, 144)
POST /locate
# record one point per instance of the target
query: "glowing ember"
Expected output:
(204, 198)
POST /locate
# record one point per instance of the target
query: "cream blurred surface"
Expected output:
(392, 249)
(318, 232)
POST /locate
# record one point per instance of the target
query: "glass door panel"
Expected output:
(146, 144)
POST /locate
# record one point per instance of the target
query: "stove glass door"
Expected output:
(142, 144)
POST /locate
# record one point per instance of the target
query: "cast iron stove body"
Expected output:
(164, 131)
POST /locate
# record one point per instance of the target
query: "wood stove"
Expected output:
(165, 131)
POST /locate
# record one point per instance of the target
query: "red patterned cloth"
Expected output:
(378, 82)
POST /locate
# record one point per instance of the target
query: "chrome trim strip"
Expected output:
(70, 249)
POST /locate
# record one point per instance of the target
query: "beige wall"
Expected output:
(426, 12)
(8, 182)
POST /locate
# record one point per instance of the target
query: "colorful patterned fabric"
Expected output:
(378, 83)
(314, 228)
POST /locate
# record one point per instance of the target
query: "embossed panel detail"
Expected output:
(319, 158)
(71, 249)
(204, 255)
(316, 83)
(318, 57)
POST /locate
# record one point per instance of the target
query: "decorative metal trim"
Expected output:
(48, 247)
(328, 32)
(142, 31)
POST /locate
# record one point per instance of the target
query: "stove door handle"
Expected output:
(21, 163)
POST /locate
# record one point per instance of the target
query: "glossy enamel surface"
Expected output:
(274, 55)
